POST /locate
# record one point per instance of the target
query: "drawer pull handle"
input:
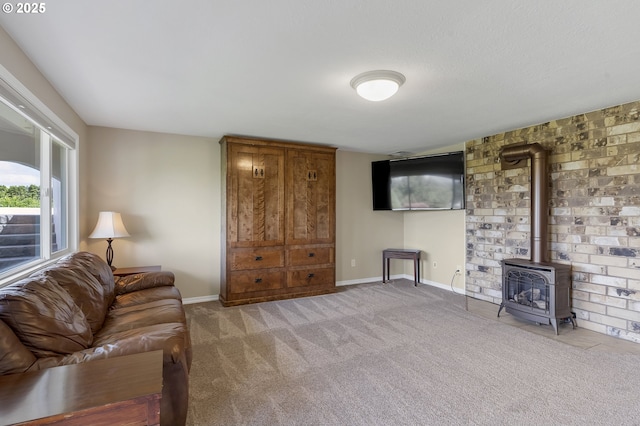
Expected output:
(258, 280)
(312, 254)
(258, 258)
(311, 275)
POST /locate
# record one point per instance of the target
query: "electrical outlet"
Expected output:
(353, 263)
(435, 264)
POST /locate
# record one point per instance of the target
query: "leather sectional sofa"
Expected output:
(75, 311)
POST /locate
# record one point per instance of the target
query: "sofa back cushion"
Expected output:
(94, 265)
(84, 289)
(44, 317)
(14, 356)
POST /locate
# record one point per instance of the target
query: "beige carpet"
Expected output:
(394, 354)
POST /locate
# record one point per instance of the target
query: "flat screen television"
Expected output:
(433, 182)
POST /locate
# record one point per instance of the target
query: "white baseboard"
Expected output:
(398, 277)
(200, 299)
(212, 298)
(436, 284)
(366, 280)
(425, 282)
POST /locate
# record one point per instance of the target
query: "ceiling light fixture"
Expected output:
(377, 85)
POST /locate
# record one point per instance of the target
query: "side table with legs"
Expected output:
(388, 254)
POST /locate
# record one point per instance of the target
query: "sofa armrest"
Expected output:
(136, 282)
(171, 338)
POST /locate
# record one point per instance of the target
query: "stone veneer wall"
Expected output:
(594, 205)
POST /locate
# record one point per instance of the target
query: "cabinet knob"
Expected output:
(312, 254)
(258, 280)
(258, 258)
(311, 275)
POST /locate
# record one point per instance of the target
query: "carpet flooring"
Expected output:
(395, 354)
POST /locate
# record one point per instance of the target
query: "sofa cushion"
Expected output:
(142, 315)
(44, 317)
(84, 289)
(97, 267)
(137, 282)
(14, 356)
(147, 295)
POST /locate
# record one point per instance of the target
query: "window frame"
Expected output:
(20, 99)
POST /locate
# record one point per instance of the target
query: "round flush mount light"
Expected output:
(377, 85)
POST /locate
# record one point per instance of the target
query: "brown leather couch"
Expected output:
(74, 311)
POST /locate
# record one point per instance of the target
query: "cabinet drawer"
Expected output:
(309, 256)
(243, 282)
(311, 277)
(256, 259)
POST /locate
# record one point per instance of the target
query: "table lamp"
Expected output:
(109, 226)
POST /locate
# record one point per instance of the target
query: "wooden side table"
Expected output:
(121, 272)
(388, 254)
(123, 390)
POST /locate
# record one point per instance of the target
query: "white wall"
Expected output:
(167, 188)
(361, 233)
(441, 237)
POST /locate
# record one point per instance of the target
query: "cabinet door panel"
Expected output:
(256, 196)
(311, 197)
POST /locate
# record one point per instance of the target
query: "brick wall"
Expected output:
(594, 205)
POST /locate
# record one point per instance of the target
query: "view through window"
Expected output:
(34, 187)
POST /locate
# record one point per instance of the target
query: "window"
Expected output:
(37, 185)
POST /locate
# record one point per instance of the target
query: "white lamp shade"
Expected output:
(109, 226)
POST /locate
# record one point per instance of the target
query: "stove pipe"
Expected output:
(539, 187)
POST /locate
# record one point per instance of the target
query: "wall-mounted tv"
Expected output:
(433, 182)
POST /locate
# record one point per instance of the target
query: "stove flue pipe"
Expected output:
(539, 197)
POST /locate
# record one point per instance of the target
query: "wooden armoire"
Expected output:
(278, 220)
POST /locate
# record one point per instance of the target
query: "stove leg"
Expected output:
(499, 310)
(573, 322)
(554, 323)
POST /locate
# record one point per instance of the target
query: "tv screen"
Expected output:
(434, 182)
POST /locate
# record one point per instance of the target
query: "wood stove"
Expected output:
(535, 289)
(537, 292)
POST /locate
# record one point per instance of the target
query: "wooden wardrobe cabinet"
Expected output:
(278, 220)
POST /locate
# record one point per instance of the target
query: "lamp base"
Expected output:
(110, 253)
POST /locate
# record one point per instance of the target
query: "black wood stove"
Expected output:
(535, 289)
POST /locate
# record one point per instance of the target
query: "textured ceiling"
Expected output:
(281, 68)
